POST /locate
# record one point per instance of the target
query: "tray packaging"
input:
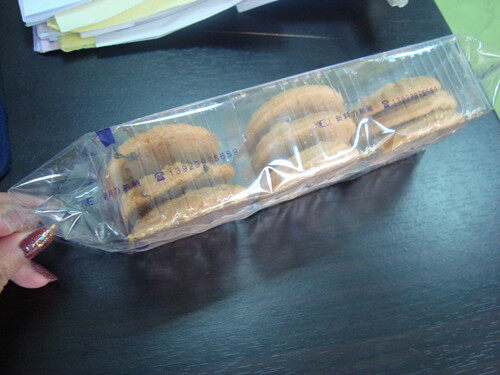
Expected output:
(137, 185)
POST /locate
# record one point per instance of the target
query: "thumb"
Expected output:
(33, 275)
(16, 250)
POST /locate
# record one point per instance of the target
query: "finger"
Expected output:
(16, 216)
(16, 248)
(32, 275)
(4, 206)
(4, 229)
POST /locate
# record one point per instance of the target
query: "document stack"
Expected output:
(71, 25)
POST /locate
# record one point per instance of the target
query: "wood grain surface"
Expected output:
(393, 272)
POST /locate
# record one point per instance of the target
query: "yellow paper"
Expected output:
(143, 10)
(53, 25)
(91, 13)
(72, 42)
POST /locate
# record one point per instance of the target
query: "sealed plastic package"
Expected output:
(141, 184)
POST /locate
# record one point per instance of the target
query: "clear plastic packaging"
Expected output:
(135, 186)
(398, 3)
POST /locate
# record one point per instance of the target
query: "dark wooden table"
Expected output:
(394, 272)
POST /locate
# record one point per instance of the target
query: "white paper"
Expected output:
(43, 45)
(36, 11)
(196, 12)
(93, 12)
(250, 4)
(45, 32)
(31, 7)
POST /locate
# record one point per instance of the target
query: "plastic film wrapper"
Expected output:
(135, 186)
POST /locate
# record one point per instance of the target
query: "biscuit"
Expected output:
(399, 114)
(189, 206)
(290, 105)
(167, 144)
(328, 156)
(398, 92)
(147, 152)
(116, 173)
(433, 123)
(176, 139)
(283, 138)
(121, 171)
(170, 183)
(402, 113)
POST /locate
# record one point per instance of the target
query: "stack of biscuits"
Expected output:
(303, 135)
(298, 130)
(412, 108)
(169, 178)
(306, 132)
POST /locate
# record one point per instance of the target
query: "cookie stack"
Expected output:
(302, 137)
(298, 130)
(169, 174)
(413, 108)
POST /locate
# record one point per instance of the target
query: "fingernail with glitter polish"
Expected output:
(43, 271)
(35, 242)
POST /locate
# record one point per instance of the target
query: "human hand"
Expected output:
(16, 251)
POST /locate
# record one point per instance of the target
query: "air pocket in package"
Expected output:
(135, 186)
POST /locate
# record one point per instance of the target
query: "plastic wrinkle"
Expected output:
(154, 180)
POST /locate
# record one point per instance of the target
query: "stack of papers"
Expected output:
(70, 25)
